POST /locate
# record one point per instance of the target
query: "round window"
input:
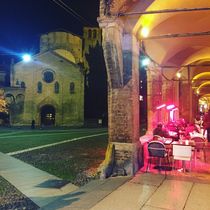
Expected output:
(48, 76)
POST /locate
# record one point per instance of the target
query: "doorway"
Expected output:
(48, 115)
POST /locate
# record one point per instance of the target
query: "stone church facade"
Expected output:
(50, 88)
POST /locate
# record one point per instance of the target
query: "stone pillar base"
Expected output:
(122, 159)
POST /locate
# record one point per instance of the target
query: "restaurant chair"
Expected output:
(200, 145)
(157, 150)
(183, 153)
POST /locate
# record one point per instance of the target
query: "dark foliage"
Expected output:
(96, 85)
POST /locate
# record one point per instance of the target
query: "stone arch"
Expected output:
(200, 78)
(203, 85)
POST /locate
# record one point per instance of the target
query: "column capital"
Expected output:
(110, 21)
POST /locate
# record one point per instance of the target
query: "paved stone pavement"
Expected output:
(32, 182)
(145, 191)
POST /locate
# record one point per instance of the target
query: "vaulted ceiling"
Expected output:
(176, 38)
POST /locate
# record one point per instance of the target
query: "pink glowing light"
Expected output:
(171, 106)
(161, 106)
(171, 114)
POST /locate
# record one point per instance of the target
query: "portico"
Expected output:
(178, 46)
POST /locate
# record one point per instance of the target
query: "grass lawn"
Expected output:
(18, 139)
(76, 161)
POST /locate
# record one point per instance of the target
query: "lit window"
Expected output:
(49, 116)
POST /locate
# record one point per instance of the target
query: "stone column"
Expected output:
(195, 107)
(184, 100)
(121, 58)
(190, 108)
(167, 96)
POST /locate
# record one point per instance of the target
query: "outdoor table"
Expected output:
(184, 143)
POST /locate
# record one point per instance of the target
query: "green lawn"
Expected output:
(76, 161)
(17, 139)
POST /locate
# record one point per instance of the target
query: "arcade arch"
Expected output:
(173, 45)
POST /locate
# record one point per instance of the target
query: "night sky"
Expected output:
(23, 21)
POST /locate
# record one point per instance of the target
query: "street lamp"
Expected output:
(145, 61)
(178, 74)
(145, 32)
(26, 57)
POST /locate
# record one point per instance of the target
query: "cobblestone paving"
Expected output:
(11, 198)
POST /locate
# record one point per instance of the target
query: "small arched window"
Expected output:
(89, 34)
(56, 87)
(22, 85)
(72, 87)
(94, 34)
(39, 87)
(10, 99)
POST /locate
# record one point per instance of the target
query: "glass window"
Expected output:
(72, 87)
(89, 34)
(94, 34)
(39, 87)
(56, 87)
(48, 76)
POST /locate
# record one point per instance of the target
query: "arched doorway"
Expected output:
(48, 115)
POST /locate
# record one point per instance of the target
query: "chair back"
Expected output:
(182, 152)
(200, 142)
(156, 149)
